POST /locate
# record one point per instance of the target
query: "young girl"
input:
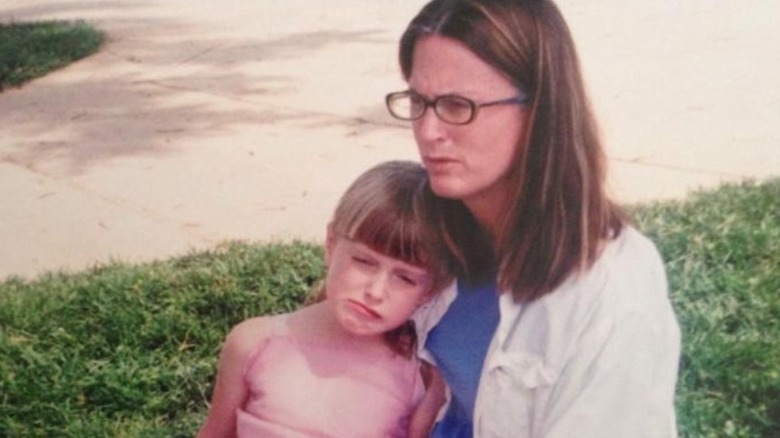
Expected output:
(343, 366)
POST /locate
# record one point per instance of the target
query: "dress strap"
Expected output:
(280, 326)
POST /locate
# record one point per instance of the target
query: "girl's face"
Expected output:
(371, 293)
(469, 162)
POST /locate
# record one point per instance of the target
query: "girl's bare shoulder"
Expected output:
(245, 336)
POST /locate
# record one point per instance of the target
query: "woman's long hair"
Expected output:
(559, 214)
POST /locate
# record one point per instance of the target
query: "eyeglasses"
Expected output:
(450, 108)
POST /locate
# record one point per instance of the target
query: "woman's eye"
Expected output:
(416, 103)
(454, 104)
(455, 109)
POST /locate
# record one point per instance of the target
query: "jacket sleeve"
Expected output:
(619, 382)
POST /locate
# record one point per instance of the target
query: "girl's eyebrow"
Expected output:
(417, 272)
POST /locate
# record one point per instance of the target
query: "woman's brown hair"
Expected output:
(559, 214)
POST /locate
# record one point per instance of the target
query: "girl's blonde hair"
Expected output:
(385, 209)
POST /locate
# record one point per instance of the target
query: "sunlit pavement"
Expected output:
(200, 121)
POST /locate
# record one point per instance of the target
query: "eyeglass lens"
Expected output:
(452, 109)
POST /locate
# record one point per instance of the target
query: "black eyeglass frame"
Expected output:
(427, 103)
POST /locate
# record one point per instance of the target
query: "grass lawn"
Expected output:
(30, 50)
(722, 253)
(130, 350)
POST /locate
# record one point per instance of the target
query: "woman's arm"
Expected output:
(623, 385)
(230, 391)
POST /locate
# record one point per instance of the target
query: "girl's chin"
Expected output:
(359, 327)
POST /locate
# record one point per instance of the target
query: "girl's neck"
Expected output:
(318, 323)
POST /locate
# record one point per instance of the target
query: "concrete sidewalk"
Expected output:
(200, 122)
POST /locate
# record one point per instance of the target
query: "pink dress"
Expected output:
(302, 389)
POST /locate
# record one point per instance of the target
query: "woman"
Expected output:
(560, 323)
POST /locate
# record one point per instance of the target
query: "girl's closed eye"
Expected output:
(413, 279)
(408, 280)
(361, 259)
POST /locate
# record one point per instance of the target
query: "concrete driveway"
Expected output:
(203, 121)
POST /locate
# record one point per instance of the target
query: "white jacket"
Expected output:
(596, 358)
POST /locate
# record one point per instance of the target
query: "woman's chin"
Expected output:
(447, 189)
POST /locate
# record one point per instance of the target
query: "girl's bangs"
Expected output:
(393, 236)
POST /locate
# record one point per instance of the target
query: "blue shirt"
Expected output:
(459, 342)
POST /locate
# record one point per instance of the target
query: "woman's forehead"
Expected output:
(442, 65)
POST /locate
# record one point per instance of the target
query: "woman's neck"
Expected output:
(487, 211)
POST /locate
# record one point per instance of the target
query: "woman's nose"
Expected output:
(428, 128)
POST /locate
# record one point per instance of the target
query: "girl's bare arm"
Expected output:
(230, 391)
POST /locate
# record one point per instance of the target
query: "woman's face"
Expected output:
(469, 162)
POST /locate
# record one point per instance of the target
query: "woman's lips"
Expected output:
(437, 164)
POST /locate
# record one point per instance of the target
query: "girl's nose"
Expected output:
(376, 287)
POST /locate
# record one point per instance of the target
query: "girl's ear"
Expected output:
(425, 299)
(330, 243)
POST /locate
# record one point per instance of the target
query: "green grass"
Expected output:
(130, 350)
(722, 253)
(30, 50)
